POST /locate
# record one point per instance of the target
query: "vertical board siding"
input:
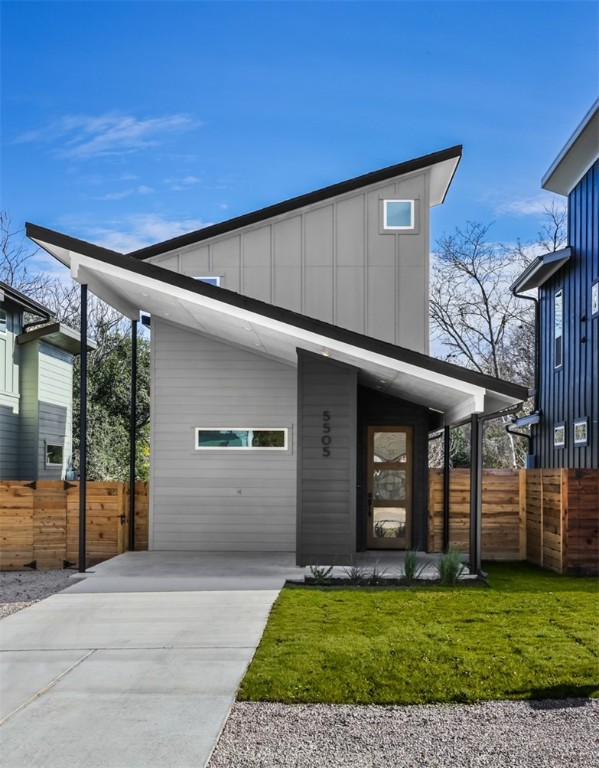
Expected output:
(29, 411)
(326, 500)
(331, 261)
(55, 410)
(572, 391)
(219, 500)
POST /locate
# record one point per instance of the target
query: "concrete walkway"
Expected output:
(137, 665)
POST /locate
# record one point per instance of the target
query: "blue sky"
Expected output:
(125, 123)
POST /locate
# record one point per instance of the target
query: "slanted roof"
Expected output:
(443, 166)
(8, 293)
(132, 286)
(58, 335)
(540, 270)
(579, 154)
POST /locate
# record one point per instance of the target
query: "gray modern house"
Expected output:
(36, 390)
(292, 390)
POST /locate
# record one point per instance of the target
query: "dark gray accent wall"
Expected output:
(376, 409)
(326, 474)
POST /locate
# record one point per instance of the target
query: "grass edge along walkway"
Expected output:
(531, 635)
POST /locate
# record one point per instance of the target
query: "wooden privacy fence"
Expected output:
(503, 534)
(546, 516)
(39, 522)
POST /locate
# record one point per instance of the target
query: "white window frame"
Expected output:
(3, 321)
(398, 229)
(581, 422)
(54, 463)
(284, 447)
(559, 443)
(595, 299)
(558, 295)
(209, 279)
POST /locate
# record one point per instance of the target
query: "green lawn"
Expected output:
(532, 634)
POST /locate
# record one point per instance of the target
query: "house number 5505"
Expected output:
(326, 433)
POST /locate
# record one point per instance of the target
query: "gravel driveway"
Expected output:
(18, 589)
(547, 734)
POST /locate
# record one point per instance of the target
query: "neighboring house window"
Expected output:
(558, 330)
(209, 280)
(54, 455)
(3, 321)
(581, 431)
(398, 214)
(595, 299)
(559, 435)
(241, 438)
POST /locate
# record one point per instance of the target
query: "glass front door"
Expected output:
(389, 487)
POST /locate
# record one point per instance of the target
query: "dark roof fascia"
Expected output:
(540, 270)
(58, 335)
(279, 314)
(28, 304)
(299, 202)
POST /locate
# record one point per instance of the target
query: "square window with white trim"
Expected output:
(398, 215)
(241, 438)
(581, 431)
(54, 454)
(559, 435)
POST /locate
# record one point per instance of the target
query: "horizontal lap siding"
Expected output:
(326, 483)
(219, 500)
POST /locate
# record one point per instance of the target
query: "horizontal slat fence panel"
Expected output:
(39, 522)
(502, 528)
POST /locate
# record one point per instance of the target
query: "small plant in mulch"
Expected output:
(412, 568)
(357, 573)
(451, 568)
(321, 574)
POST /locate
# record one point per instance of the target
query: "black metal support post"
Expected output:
(476, 483)
(83, 432)
(446, 458)
(132, 435)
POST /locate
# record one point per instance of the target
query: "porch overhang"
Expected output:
(132, 286)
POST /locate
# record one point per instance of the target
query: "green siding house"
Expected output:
(36, 390)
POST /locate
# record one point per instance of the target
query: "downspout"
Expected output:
(83, 432)
(530, 461)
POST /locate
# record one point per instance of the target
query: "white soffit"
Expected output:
(441, 175)
(131, 293)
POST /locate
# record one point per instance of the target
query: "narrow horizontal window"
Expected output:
(241, 438)
(210, 280)
(54, 455)
(3, 321)
(581, 431)
(559, 435)
(398, 214)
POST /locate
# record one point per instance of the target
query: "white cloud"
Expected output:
(142, 189)
(178, 185)
(86, 136)
(138, 230)
(525, 206)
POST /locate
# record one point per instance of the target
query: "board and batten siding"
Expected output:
(9, 397)
(326, 499)
(332, 261)
(572, 390)
(219, 500)
(55, 398)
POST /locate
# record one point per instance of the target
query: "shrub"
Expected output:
(451, 567)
